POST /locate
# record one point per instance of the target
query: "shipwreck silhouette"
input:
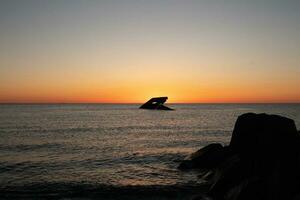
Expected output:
(156, 104)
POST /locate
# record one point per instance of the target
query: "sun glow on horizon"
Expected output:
(129, 51)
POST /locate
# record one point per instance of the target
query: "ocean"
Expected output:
(111, 151)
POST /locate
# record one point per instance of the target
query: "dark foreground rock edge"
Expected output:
(56, 191)
(262, 161)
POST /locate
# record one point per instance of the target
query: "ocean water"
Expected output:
(65, 150)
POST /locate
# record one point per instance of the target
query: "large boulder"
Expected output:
(262, 161)
(257, 134)
(267, 146)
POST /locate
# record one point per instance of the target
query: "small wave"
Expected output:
(31, 147)
(39, 129)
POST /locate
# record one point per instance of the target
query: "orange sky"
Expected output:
(128, 51)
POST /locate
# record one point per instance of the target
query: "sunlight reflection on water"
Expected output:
(112, 144)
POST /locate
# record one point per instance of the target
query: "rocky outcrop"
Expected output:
(208, 157)
(261, 162)
(156, 104)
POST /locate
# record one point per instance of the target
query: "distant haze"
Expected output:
(127, 51)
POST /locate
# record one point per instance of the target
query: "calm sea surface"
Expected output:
(112, 145)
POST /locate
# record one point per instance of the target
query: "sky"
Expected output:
(126, 51)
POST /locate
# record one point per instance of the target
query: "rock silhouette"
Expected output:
(206, 158)
(156, 104)
(262, 161)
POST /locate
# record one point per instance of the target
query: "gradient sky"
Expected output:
(130, 50)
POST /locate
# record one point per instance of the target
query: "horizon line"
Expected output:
(24, 103)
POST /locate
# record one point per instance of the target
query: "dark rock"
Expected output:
(207, 157)
(264, 132)
(201, 197)
(156, 104)
(247, 189)
(226, 176)
(262, 161)
(186, 165)
(268, 152)
(206, 150)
